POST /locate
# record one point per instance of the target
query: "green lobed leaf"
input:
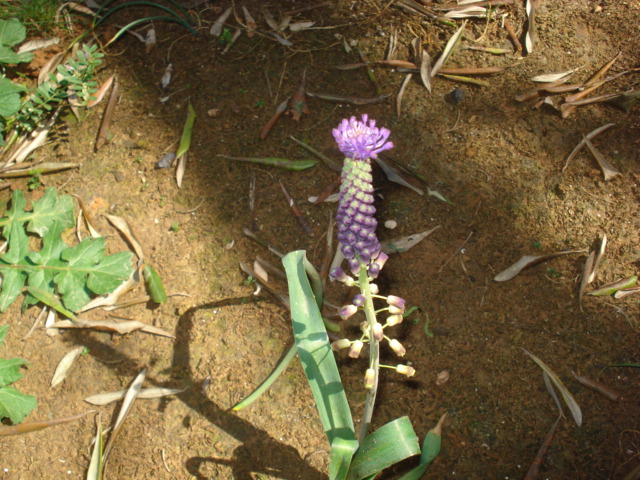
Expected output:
(9, 56)
(387, 446)
(15, 405)
(75, 273)
(10, 370)
(154, 284)
(320, 366)
(12, 32)
(10, 101)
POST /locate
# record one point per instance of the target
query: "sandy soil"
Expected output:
(499, 161)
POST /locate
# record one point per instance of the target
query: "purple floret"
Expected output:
(361, 139)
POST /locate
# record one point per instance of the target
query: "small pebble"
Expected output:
(442, 378)
(390, 224)
(166, 161)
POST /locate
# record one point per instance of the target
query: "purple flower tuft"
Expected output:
(361, 139)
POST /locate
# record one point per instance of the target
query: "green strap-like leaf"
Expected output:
(387, 446)
(320, 366)
(264, 386)
(185, 141)
(154, 284)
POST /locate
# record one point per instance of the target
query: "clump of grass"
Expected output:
(36, 15)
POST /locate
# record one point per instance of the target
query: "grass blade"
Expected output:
(430, 450)
(94, 471)
(448, 50)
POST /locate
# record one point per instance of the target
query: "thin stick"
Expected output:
(106, 118)
(456, 252)
(296, 211)
(512, 35)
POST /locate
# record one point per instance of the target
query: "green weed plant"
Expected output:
(14, 404)
(70, 275)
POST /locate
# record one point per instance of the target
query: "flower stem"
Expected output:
(374, 353)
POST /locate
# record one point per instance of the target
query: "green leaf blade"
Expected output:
(15, 405)
(320, 366)
(12, 32)
(387, 446)
(154, 284)
(10, 370)
(185, 141)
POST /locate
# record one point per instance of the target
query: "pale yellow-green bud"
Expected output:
(406, 370)
(369, 378)
(356, 348)
(397, 347)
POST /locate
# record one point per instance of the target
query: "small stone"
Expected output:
(442, 378)
(390, 224)
(214, 112)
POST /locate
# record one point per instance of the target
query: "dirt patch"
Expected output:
(499, 162)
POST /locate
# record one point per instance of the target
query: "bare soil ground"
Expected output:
(499, 162)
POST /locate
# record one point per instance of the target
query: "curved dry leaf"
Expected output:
(403, 87)
(529, 261)
(596, 262)
(529, 38)
(586, 274)
(102, 399)
(65, 364)
(626, 292)
(50, 67)
(581, 144)
(299, 26)
(37, 44)
(216, 28)
(554, 77)
(612, 288)
(468, 12)
(403, 244)
(573, 406)
(29, 427)
(448, 50)
(425, 70)
(129, 398)
(608, 170)
(123, 227)
(122, 328)
(112, 298)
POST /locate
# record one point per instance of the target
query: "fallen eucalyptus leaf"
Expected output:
(123, 227)
(599, 254)
(581, 144)
(573, 406)
(530, 36)
(608, 171)
(102, 399)
(37, 44)
(295, 165)
(29, 427)
(122, 328)
(65, 364)
(529, 261)
(626, 292)
(448, 50)
(403, 87)
(299, 26)
(612, 288)
(586, 274)
(129, 398)
(468, 12)
(400, 245)
(553, 77)
(216, 28)
(625, 101)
